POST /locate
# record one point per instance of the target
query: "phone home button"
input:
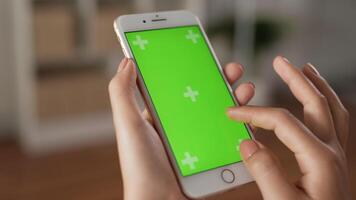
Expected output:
(227, 176)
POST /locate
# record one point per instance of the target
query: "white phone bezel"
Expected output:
(208, 182)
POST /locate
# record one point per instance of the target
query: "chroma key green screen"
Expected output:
(190, 97)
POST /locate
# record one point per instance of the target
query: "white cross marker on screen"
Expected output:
(189, 160)
(140, 42)
(192, 36)
(238, 145)
(191, 94)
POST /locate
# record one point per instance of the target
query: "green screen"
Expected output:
(190, 97)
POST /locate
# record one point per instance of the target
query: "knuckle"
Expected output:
(113, 83)
(281, 113)
(118, 86)
(262, 161)
(329, 157)
(321, 99)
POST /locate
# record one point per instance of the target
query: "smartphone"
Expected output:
(187, 95)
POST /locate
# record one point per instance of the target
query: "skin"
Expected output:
(318, 143)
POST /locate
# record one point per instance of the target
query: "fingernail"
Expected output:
(122, 64)
(230, 111)
(129, 64)
(285, 59)
(241, 67)
(252, 84)
(248, 148)
(312, 69)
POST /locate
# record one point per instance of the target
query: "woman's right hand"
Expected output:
(318, 144)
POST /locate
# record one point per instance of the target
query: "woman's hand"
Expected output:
(145, 168)
(318, 144)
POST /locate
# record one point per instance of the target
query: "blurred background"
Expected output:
(57, 57)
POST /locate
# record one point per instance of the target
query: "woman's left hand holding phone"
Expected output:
(145, 167)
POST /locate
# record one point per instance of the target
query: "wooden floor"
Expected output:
(93, 173)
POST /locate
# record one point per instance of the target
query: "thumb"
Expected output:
(264, 166)
(122, 95)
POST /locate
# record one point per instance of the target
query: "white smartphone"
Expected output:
(187, 95)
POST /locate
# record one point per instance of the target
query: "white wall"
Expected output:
(7, 72)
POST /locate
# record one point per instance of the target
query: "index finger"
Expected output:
(122, 96)
(289, 130)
